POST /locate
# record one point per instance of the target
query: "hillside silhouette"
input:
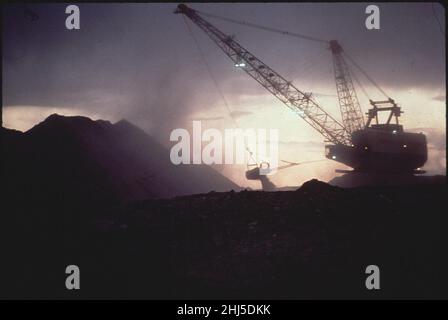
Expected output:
(76, 158)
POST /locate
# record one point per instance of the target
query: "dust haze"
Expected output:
(139, 62)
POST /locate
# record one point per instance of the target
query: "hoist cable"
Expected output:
(360, 85)
(293, 164)
(209, 70)
(297, 35)
(437, 19)
(366, 75)
(253, 25)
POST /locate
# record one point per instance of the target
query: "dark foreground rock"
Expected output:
(311, 243)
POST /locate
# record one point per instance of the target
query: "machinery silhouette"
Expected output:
(266, 184)
(369, 146)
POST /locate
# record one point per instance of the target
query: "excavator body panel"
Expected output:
(382, 150)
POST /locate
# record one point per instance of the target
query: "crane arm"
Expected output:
(351, 113)
(299, 102)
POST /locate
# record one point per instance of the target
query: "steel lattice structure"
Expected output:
(298, 101)
(351, 113)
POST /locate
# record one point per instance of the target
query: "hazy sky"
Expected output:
(139, 62)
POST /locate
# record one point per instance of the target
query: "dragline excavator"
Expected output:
(365, 146)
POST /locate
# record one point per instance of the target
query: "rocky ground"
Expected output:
(311, 243)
